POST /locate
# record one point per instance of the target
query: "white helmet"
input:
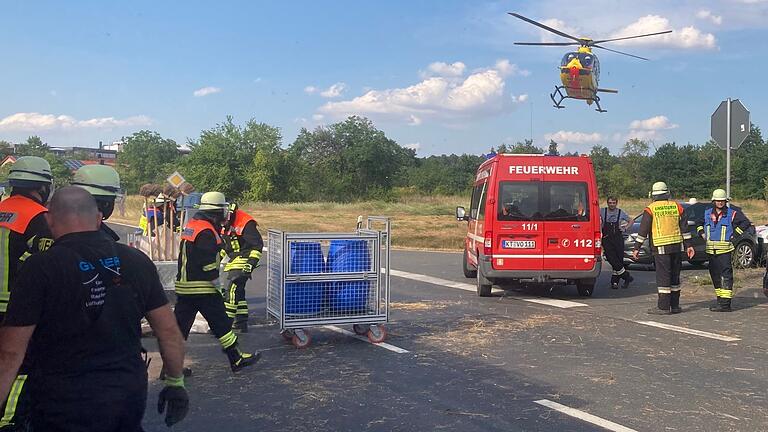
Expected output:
(213, 201)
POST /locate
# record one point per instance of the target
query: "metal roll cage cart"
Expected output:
(350, 287)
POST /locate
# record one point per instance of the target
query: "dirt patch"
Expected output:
(425, 305)
(745, 283)
(471, 336)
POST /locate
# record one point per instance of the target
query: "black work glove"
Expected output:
(175, 397)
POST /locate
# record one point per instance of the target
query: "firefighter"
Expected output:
(23, 231)
(244, 249)
(718, 227)
(103, 182)
(88, 374)
(613, 224)
(667, 230)
(197, 280)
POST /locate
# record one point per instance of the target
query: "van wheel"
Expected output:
(483, 285)
(468, 272)
(586, 287)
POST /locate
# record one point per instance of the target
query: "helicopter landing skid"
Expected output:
(558, 97)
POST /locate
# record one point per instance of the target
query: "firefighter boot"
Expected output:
(614, 281)
(723, 305)
(674, 302)
(663, 306)
(239, 360)
(187, 372)
(627, 279)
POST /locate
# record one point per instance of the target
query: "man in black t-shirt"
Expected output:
(79, 307)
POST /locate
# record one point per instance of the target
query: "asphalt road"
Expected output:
(527, 359)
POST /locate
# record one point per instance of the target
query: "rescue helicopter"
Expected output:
(580, 69)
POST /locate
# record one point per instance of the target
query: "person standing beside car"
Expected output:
(718, 228)
(664, 224)
(613, 223)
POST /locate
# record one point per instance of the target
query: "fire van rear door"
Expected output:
(518, 229)
(568, 236)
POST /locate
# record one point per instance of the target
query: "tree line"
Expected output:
(353, 160)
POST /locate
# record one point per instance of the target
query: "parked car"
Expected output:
(748, 246)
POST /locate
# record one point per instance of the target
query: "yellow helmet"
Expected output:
(30, 171)
(659, 188)
(213, 201)
(719, 195)
(99, 180)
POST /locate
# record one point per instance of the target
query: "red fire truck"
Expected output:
(533, 219)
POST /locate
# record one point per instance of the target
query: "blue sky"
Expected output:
(442, 77)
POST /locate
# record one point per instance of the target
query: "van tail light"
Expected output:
(598, 244)
(488, 243)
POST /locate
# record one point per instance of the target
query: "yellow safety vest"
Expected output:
(665, 229)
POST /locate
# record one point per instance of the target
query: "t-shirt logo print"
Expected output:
(97, 291)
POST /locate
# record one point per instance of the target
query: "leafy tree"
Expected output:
(525, 147)
(224, 159)
(34, 146)
(350, 160)
(553, 148)
(748, 166)
(147, 157)
(62, 175)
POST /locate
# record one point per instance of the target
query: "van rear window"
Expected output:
(543, 201)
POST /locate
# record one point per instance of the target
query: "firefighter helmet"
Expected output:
(99, 180)
(30, 171)
(719, 195)
(213, 201)
(659, 188)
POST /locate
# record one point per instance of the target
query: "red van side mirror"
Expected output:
(461, 214)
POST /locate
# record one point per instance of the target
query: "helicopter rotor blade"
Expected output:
(619, 52)
(550, 29)
(547, 43)
(631, 37)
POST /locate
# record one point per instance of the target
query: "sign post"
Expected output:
(729, 128)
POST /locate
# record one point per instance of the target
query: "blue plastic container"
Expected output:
(348, 256)
(304, 298)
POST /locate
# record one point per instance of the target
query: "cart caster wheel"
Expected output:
(287, 334)
(300, 339)
(377, 334)
(360, 329)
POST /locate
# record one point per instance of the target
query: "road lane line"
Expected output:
(563, 304)
(433, 280)
(581, 415)
(689, 331)
(365, 339)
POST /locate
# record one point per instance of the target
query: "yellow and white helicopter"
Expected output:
(580, 69)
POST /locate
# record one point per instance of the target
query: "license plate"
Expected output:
(518, 244)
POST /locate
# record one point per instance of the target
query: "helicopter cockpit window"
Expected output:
(567, 58)
(586, 59)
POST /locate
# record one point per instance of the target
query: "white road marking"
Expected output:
(587, 417)
(564, 304)
(433, 280)
(365, 339)
(689, 331)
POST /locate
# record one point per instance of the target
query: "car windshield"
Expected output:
(564, 201)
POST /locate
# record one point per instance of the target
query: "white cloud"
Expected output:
(318, 117)
(413, 146)
(334, 91)
(331, 92)
(654, 123)
(38, 122)
(481, 93)
(205, 91)
(506, 68)
(645, 135)
(686, 37)
(705, 14)
(520, 99)
(455, 69)
(414, 121)
(571, 137)
(557, 24)
(257, 80)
